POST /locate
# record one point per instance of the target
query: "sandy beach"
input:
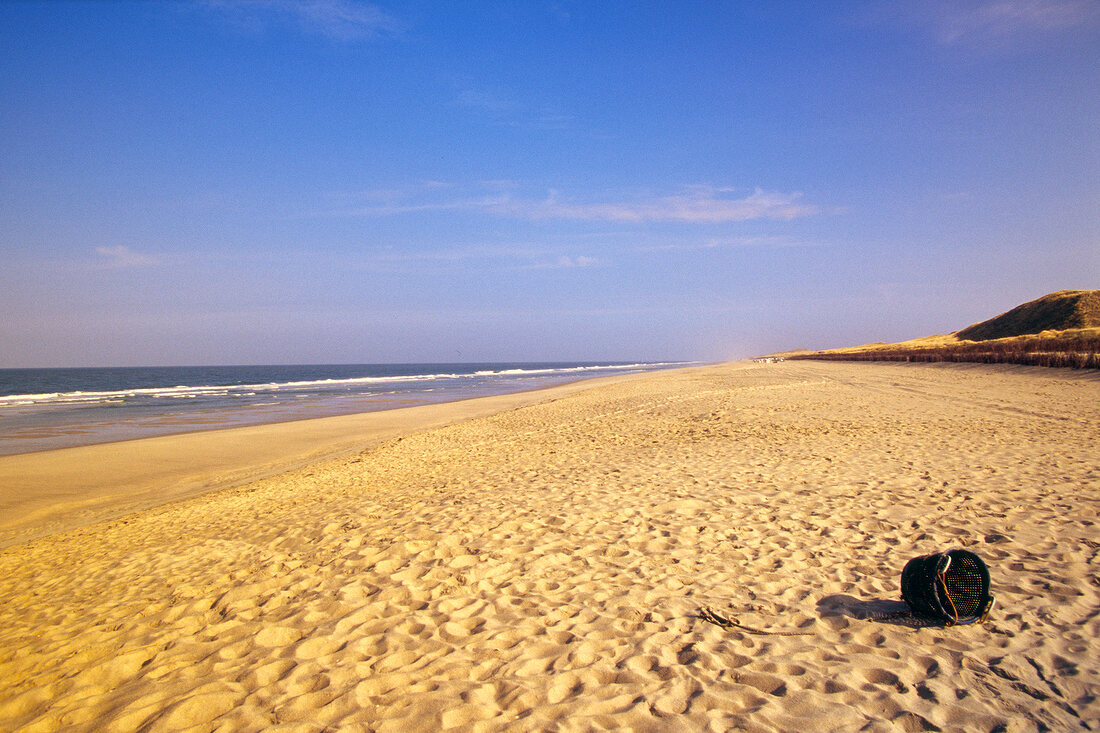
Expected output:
(538, 562)
(52, 491)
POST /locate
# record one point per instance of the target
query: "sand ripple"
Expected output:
(542, 568)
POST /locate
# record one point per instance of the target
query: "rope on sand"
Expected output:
(730, 622)
(900, 618)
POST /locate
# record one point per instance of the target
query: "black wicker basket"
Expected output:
(952, 587)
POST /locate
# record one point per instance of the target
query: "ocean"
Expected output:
(43, 409)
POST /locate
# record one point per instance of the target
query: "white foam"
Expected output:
(183, 391)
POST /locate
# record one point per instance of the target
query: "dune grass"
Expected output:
(1076, 349)
(1061, 311)
(1061, 329)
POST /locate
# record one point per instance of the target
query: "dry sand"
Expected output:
(57, 490)
(542, 567)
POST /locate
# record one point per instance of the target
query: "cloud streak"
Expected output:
(698, 204)
(568, 263)
(757, 242)
(339, 20)
(517, 256)
(504, 109)
(120, 257)
(963, 21)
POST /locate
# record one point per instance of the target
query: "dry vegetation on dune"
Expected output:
(1058, 330)
(1078, 350)
(1061, 311)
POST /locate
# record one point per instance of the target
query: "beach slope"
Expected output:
(52, 491)
(543, 566)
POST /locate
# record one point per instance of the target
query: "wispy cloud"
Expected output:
(567, 263)
(120, 256)
(340, 20)
(483, 100)
(392, 196)
(458, 254)
(504, 256)
(504, 109)
(1000, 21)
(697, 204)
(769, 242)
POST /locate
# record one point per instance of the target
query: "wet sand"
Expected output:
(541, 566)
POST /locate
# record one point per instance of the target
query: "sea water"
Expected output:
(42, 409)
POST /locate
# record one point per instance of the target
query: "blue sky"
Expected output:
(337, 181)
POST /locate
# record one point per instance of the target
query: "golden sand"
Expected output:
(541, 568)
(53, 491)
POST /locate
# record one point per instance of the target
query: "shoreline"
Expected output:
(48, 491)
(72, 413)
(395, 404)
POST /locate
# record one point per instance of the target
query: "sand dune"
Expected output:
(541, 568)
